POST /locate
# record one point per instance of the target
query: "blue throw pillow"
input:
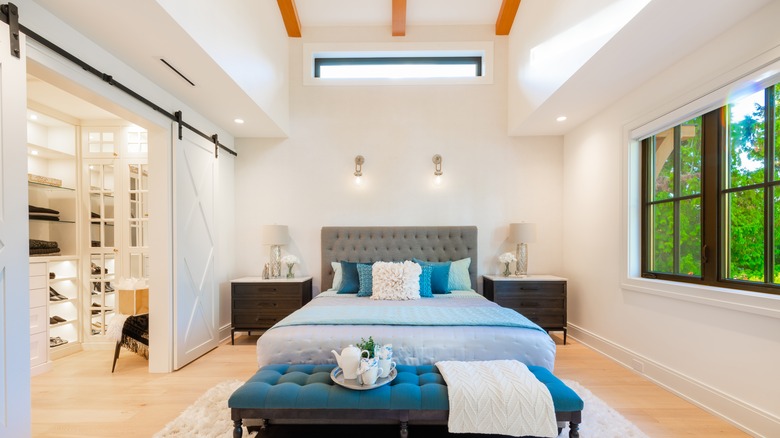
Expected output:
(440, 276)
(425, 281)
(366, 279)
(350, 282)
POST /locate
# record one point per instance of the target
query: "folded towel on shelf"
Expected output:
(44, 217)
(42, 210)
(37, 244)
(44, 251)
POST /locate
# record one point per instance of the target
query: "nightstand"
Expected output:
(540, 298)
(258, 304)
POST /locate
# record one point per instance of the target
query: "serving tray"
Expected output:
(338, 378)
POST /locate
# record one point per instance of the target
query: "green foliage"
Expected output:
(367, 345)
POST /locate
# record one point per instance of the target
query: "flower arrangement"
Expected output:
(290, 260)
(507, 258)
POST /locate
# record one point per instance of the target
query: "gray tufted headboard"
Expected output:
(395, 244)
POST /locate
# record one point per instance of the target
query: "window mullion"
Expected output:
(677, 192)
(769, 172)
(712, 147)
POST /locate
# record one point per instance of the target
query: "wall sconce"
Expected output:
(359, 160)
(437, 168)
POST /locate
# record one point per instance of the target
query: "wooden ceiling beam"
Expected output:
(399, 17)
(506, 16)
(290, 18)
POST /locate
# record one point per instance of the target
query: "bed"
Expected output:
(309, 340)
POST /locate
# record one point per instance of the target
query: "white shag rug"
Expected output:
(209, 417)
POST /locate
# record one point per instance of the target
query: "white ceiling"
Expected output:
(139, 32)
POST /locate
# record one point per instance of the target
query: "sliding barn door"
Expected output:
(196, 293)
(14, 261)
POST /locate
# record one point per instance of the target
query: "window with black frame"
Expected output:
(711, 197)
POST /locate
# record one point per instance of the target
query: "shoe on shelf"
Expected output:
(54, 294)
(52, 275)
(52, 320)
(109, 288)
(56, 319)
(53, 342)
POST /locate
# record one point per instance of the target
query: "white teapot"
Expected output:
(349, 360)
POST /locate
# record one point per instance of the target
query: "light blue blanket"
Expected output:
(406, 315)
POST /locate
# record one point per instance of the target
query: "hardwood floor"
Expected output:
(80, 397)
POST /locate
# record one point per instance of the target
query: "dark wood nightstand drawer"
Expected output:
(287, 302)
(516, 301)
(257, 319)
(547, 288)
(266, 290)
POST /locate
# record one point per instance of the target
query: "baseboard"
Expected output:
(750, 419)
(224, 333)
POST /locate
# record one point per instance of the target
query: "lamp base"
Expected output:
(521, 268)
(276, 261)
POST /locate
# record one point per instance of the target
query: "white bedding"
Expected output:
(412, 345)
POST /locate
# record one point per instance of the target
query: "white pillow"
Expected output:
(396, 281)
(336, 275)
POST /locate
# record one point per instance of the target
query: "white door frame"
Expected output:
(14, 253)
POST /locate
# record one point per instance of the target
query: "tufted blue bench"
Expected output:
(417, 395)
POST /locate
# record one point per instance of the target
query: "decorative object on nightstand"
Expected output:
(522, 233)
(290, 260)
(507, 258)
(276, 236)
(257, 304)
(540, 298)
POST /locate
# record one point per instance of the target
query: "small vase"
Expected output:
(506, 270)
(289, 271)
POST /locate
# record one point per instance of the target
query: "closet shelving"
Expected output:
(53, 196)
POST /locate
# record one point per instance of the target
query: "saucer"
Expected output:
(338, 378)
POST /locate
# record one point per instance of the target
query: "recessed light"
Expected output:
(561, 118)
(239, 121)
(33, 116)
(33, 152)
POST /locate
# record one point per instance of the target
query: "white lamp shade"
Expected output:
(522, 232)
(274, 234)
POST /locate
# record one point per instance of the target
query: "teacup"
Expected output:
(370, 376)
(368, 371)
(386, 366)
(383, 351)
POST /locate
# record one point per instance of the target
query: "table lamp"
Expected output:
(275, 236)
(522, 233)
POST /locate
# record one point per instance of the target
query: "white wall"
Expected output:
(719, 349)
(490, 179)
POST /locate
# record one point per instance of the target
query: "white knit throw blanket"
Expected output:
(497, 397)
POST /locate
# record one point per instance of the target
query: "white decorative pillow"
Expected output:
(336, 275)
(396, 281)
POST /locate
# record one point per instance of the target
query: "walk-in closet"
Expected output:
(88, 195)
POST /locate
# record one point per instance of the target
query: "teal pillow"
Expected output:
(350, 283)
(425, 281)
(366, 279)
(459, 275)
(440, 276)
